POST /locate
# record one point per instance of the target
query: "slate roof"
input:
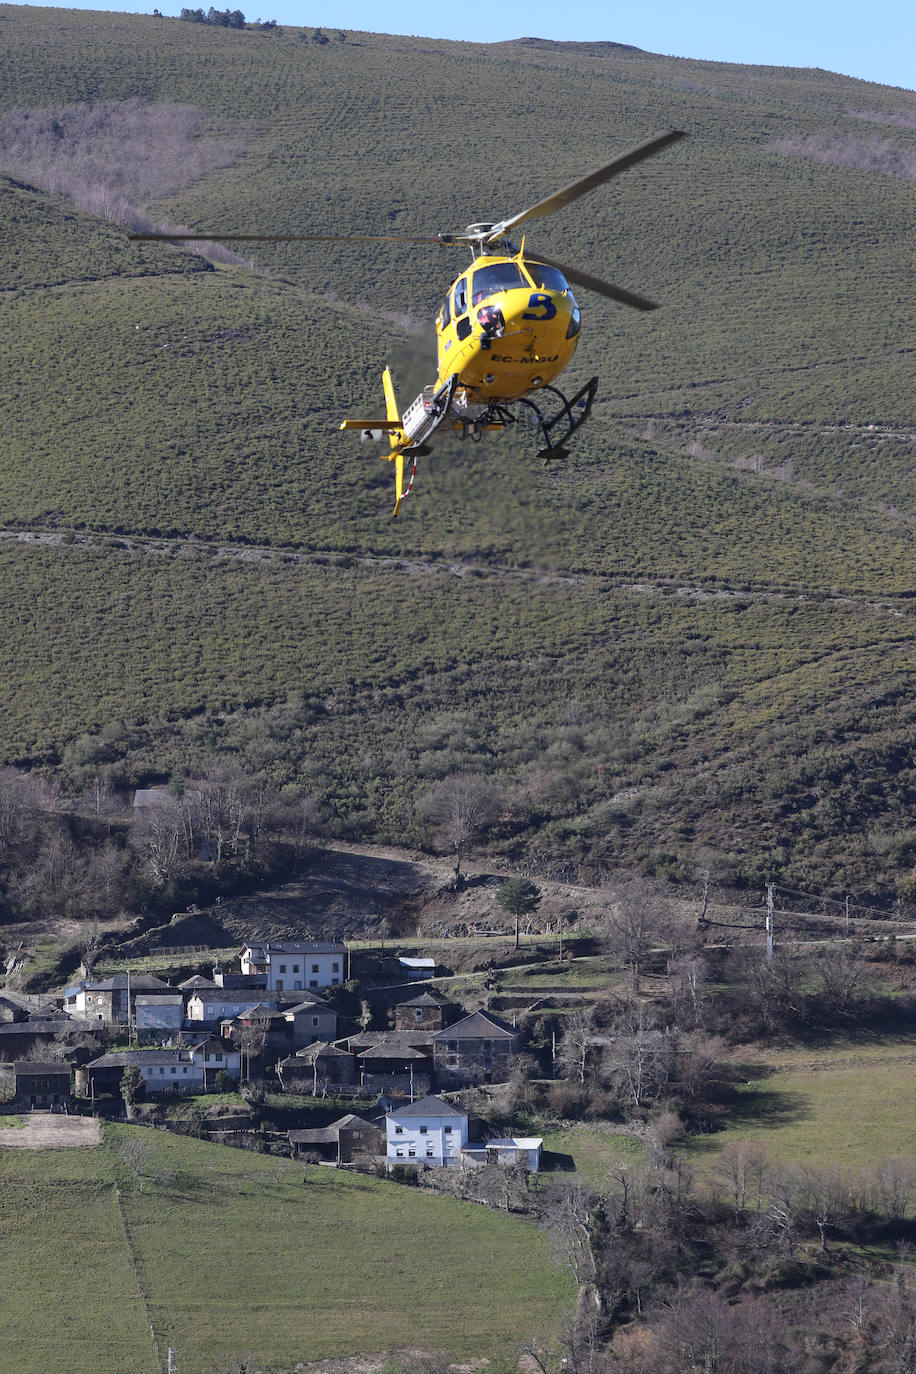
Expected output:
(120, 1059)
(317, 1048)
(137, 982)
(273, 947)
(40, 1066)
(328, 1135)
(412, 1039)
(42, 1027)
(391, 1049)
(214, 1044)
(426, 999)
(427, 1106)
(307, 1004)
(479, 1025)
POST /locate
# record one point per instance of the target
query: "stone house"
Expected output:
(349, 1138)
(425, 1012)
(21, 1040)
(112, 1001)
(158, 1014)
(480, 1048)
(39, 1084)
(316, 1067)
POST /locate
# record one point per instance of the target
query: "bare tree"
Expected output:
(163, 837)
(566, 1211)
(634, 925)
(135, 1151)
(687, 980)
(743, 1167)
(578, 1039)
(461, 808)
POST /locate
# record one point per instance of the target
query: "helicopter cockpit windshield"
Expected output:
(547, 278)
(502, 276)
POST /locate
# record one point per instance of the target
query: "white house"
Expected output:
(210, 1006)
(171, 1071)
(295, 965)
(429, 1132)
(524, 1150)
(162, 1071)
(214, 1055)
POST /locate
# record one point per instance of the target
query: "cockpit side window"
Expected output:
(502, 276)
(461, 297)
(547, 278)
(445, 314)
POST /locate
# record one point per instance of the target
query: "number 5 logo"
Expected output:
(540, 307)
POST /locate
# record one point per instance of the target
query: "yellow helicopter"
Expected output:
(508, 327)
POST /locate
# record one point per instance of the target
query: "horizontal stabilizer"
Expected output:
(381, 425)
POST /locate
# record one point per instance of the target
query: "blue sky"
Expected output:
(874, 40)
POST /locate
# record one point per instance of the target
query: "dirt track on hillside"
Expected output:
(52, 1131)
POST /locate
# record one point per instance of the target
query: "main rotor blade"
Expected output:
(603, 288)
(559, 199)
(165, 237)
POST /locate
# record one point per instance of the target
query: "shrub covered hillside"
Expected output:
(688, 649)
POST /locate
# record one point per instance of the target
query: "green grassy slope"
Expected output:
(754, 436)
(235, 1257)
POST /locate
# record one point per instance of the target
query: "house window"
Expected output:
(313, 982)
(399, 1130)
(314, 1020)
(448, 1130)
(411, 1153)
(282, 968)
(430, 1153)
(162, 1070)
(418, 1014)
(423, 1130)
(279, 985)
(184, 1070)
(453, 1047)
(217, 1057)
(400, 1154)
(297, 986)
(295, 968)
(174, 1070)
(314, 968)
(335, 967)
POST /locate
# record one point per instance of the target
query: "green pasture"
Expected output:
(595, 1150)
(235, 1254)
(581, 972)
(849, 1105)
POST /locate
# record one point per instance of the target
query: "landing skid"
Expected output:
(555, 428)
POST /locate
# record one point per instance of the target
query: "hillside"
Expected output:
(690, 649)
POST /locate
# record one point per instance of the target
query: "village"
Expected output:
(275, 1019)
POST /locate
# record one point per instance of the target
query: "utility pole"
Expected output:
(769, 923)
